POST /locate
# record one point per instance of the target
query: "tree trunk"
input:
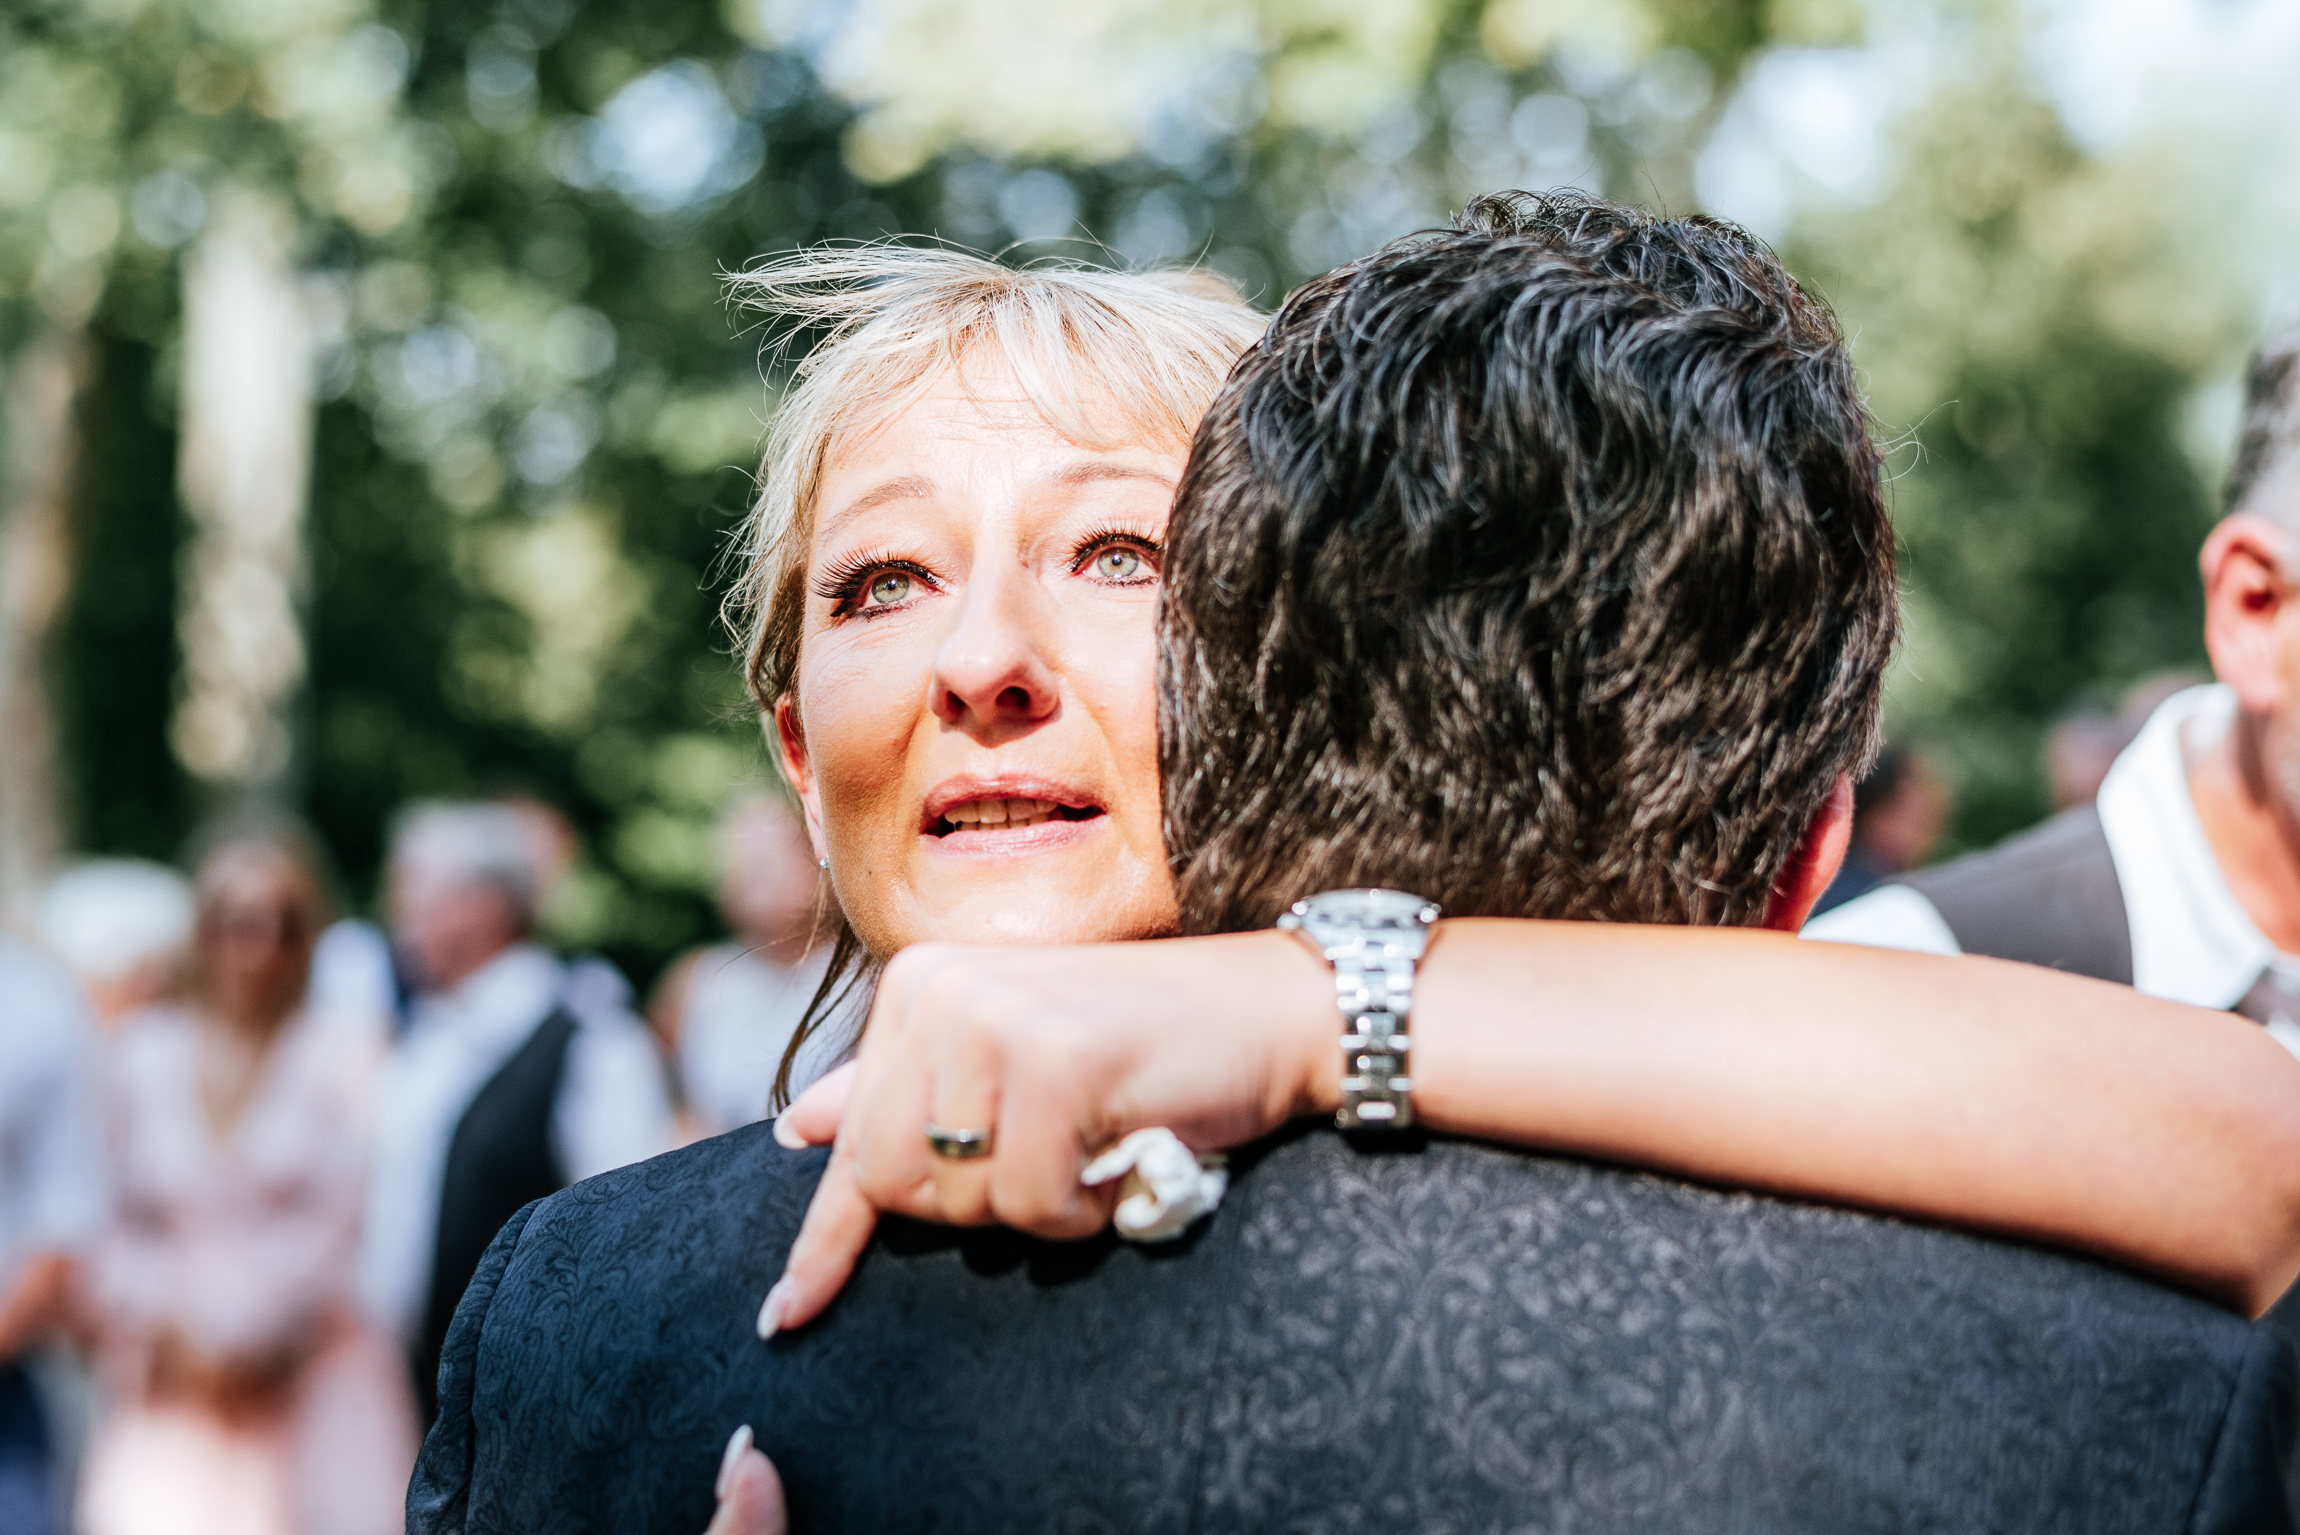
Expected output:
(41, 393)
(244, 470)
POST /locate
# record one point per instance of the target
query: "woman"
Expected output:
(244, 1397)
(725, 1013)
(952, 586)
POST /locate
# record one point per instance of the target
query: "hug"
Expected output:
(1536, 577)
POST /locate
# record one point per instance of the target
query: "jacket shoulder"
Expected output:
(552, 1341)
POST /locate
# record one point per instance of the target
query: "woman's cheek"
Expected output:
(1124, 681)
(860, 703)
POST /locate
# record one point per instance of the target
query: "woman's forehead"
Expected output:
(984, 395)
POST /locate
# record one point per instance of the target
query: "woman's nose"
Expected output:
(991, 673)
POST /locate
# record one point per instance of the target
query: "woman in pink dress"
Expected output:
(244, 1396)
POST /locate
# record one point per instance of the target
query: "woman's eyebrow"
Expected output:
(1100, 469)
(909, 487)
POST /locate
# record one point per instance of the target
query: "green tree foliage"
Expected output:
(2033, 331)
(538, 417)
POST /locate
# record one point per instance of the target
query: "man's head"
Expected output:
(2251, 567)
(464, 878)
(1540, 567)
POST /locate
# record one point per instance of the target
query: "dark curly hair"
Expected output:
(1540, 566)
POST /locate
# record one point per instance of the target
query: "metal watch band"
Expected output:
(1373, 939)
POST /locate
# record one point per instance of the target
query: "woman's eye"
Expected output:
(1118, 563)
(886, 589)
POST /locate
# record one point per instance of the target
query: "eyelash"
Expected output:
(843, 584)
(1094, 543)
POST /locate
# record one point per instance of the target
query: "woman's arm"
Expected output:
(1974, 1092)
(1970, 1091)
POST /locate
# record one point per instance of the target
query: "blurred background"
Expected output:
(374, 423)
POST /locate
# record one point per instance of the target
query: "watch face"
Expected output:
(1370, 908)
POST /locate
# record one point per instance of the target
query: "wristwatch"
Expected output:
(1373, 939)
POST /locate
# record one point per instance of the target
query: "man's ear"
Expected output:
(2245, 599)
(791, 747)
(1815, 862)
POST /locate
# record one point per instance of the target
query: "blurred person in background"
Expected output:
(2081, 747)
(1898, 812)
(356, 969)
(51, 1201)
(2085, 743)
(121, 924)
(508, 1084)
(2183, 878)
(244, 1394)
(592, 982)
(726, 1013)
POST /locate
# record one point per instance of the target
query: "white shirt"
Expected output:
(2192, 940)
(613, 1108)
(740, 1013)
(351, 976)
(52, 1190)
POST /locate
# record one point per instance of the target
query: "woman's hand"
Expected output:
(1058, 1052)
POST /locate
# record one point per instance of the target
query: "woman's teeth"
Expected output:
(1015, 813)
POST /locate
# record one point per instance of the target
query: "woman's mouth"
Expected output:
(1008, 814)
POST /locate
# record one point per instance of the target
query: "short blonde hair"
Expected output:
(1091, 349)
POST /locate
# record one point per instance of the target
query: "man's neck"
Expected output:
(459, 984)
(2254, 836)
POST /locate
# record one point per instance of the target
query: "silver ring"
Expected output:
(957, 1145)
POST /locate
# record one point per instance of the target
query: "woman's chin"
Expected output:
(1061, 882)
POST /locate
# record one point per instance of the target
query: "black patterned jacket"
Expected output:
(1448, 1339)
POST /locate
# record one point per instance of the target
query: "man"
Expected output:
(510, 1082)
(2184, 878)
(1587, 503)
(51, 1200)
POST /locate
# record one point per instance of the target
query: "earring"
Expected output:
(822, 863)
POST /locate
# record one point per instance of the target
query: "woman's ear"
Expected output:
(791, 746)
(2246, 603)
(1811, 868)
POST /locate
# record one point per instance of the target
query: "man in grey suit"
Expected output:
(1497, 527)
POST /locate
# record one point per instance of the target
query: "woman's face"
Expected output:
(973, 727)
(257, 942)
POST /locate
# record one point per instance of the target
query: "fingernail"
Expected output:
(737, 1443)
(787, 1135)
(772, 1308)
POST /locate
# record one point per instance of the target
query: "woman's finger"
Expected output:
(838, 1226)
(813, 1117)
(886, 1129)
(750, 1494)
(1043, 1125)
(967, 1060)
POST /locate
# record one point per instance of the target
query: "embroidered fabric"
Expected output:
(1453, 1338)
